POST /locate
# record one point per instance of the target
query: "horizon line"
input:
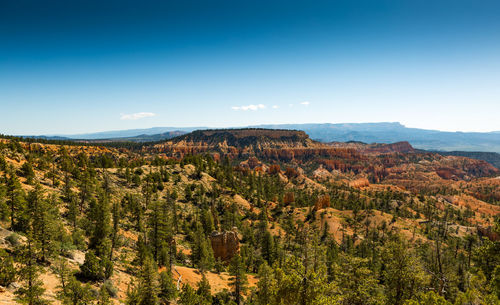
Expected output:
(243, 126)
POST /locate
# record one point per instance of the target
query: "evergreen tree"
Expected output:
(429, 298)
(202, 254)
(8, 272)
(266, 286)
(75, 293)
(4, 208)
(14, 196)
(188, 296)
(204, 290)
(148, 283)
(100, 238)
(100, 217)
(92, 268)
(72, 213)
(27, 171)
(239, 278)
(32, 290)
(44, 214)
(116, 211)
(168, 289)
(357, 283)
(404, 276)
(104, 298)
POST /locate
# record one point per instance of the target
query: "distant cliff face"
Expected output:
(395, 132)
(245, 137)
(374, 161)
(398, 147)
(251, 134)
(236, 143)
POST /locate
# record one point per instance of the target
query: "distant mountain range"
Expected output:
(491, 157)
(396, 132)
(115, 134)
(434, 140)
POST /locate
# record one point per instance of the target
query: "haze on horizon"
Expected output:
(69, 67)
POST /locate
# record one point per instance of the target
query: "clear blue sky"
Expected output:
(84, 66)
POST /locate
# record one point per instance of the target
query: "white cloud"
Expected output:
(276, 106)
(290, 105)
(136, 116)
(306, 103)
(249, 107)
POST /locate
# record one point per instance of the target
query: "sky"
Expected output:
(71, 67)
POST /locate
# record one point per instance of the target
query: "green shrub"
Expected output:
(92, 268)
(13, 239)
(110, 289)
(7, 269)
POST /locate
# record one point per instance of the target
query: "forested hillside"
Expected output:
(246, 218)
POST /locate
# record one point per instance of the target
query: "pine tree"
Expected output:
(204, 290)
(202, 254)
(156, 226)
(104, 298)
(4, 208)
(8, 272)
(172, 199)
(357, 283)
(265, 239)
(133, 297)
(100, 243)
(128, 175)
(92, 268)
(239, 278)
(100, 217)
(403, 275)
(168, 289)
(32, 290)
(86, 188)
(44, 214)
(148, 283)
(266, 286)
(73, 213)
(207, 221)
(188, 296)
(61, 270)
(75, 293)
(116, 211)
(428, 298)
(14, 196)
(27, 171)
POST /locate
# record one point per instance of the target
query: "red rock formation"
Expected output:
(322, 202)
(288, 198)
(449, 173)
(274, 169)
(225, 245)
(291, 173)
(253, 162)
(488, 232)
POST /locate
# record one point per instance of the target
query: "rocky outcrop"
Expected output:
(322, 202)
(359, 183)
(396, 163)
(321, 173)
(398, 147)
(239, 143)
(225, 245)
